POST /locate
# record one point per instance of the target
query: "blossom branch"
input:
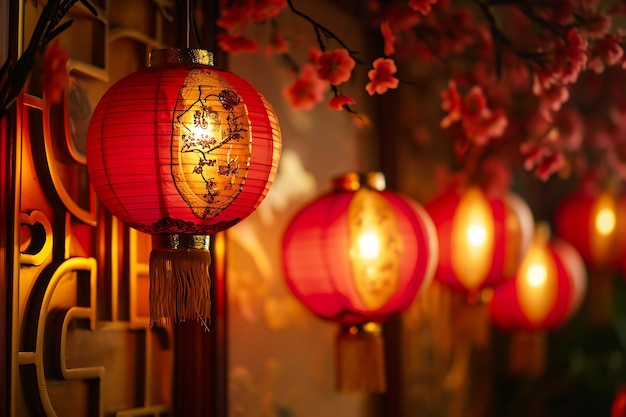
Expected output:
(13, 76)
(321, 29)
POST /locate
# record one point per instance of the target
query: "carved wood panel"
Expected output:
(80, 341)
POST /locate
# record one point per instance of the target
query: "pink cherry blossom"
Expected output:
(451, 102)
(422, 6)
(490, 125)
(277, 45)
(337, 103)
(381, 76)
(388, 38)
(474, 104)
(235, 19)
(264, 10)
(307, 90)
(606, 50)
(234, 44)
(335, 66)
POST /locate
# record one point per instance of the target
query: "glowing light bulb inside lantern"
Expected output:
(476, 235)
(605, 221)
(536, 275)
(369, 245)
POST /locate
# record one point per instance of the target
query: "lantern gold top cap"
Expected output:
(180, 56)
(352, 181)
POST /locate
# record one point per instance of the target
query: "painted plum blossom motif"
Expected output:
(210, 144)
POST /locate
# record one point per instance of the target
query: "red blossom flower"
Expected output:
(480, 124)
(337, 103)
(314, 54)
(533, 154)
(388, 38)
(381, 76)
(474, 104)
(549, 165)
(234, 44)
(605, 50)
(451, 102)
(576, 52)
(235, 20)
(277, 45)
(55, 76)
(422, 6)
(551, 97)
(489, 125)
(307, 90)
(264, 10)
(335, 66)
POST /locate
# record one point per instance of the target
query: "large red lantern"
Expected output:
(359, 255)
(482, 239)
(182, 150)
(547, 290)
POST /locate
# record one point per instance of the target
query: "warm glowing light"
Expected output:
(369, 245)
(476, 235)
(536, 275)
(605, 221)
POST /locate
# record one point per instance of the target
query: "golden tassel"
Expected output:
(360, 359)
(180, 286)
(527, 353)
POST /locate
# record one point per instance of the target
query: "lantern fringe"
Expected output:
(600, 298)
(180, 285)
(360, 362)
(527, 353)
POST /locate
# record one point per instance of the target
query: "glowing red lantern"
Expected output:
(182, 150)
(548, 288)
(357, 255)
(482, 239)
(546, 291)
(618, 408)
(588, 219)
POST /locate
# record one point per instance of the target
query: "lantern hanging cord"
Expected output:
(188, 20)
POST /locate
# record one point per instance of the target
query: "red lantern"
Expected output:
(481, 239)
(546, 291)
(589, 220)
(618, 408)
(548, 288)
(357, 255)
(182, 150)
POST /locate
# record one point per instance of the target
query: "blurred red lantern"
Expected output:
(546, 291)
(618, 408)
(589, 220)
(357, 255)
(482, 239)
(182, 150)
(548, 288)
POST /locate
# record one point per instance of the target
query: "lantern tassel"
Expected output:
(360, 360)
(527, 353)
(180, 285)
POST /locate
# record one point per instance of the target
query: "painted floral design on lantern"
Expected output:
(210, 146)
(375, 249)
